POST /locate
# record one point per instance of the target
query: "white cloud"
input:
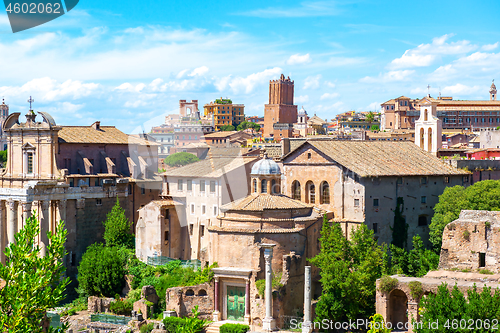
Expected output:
(329, 96)
(391, 76)
(297, 59)
(489, 47)
(312, 82)
(330, 84)
(426, 54)
(306, 9)
(373, 106)
(461, 89)
(247, 84)
(301, 99)
(200, 71)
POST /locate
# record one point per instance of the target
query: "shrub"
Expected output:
(234, 328)
(387, 283)
(416, 290)
(180, 159)
(485, 271)
(120, 307)
(101, 271)
(171, 323)
(466, 235)
(118, 228)
(147, 328)
(377, 324)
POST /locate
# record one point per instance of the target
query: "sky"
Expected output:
(128, 63)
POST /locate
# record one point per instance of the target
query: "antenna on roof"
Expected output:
(439, 92)
(428, 91)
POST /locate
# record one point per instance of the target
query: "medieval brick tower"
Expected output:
(280, 109)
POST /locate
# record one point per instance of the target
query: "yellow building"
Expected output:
(224, 112)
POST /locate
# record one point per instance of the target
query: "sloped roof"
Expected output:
(383, 158)
(105, 134)
(210, 167)
(262, 201)
(223, 134)
(228, 152)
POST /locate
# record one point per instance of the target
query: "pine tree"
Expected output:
(118, 228)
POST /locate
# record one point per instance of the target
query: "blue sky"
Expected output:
(127, 63)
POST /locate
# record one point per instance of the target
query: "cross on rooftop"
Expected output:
(31, 100)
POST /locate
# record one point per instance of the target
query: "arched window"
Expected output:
(425, 115)
(296, 190)
(325, 193)
(310, 192)
(255, 186)
(264, 186)
(274, 187)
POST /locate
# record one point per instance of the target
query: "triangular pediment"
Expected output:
(28, 145)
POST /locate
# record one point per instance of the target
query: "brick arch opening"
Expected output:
(202, 292)
(398, 308)
(189, 292)
(295, 190)
(310, 192)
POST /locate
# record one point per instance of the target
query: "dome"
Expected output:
(266, 166)
(302, 111)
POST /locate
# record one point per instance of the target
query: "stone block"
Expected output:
(149, 293)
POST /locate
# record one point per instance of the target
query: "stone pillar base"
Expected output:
(269, 324)
(216, 316)
(246, 320)
(307, 327)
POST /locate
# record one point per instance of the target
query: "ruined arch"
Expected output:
(398, 307)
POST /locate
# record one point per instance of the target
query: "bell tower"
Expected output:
(493, 91)
(428, 128)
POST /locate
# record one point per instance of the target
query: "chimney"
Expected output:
(285, 146)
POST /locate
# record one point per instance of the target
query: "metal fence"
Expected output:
(160, 261)
(110, 319)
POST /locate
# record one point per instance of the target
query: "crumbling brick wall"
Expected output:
(183, 300)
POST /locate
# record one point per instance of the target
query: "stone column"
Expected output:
(306, 325)
(26, 211)
(61, 210)
(44, 225)
(3, 223)
(216, 314)
(269, 323)
(247, 301)
(12, 227)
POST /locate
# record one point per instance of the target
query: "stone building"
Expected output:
(470, 245)
(73, 173)
(263, 229)
(428, 127)
(280, 108)
(193, 195)
(4, 113)
(363, 181)
(402, 112)
(223, 113)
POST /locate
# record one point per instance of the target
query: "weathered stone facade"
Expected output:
(99, 304)
(470, 243)
(183, 300)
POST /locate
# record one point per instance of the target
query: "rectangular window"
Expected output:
(356, 202)
(165, 236)
(191, 228)
(98, 202)
(179, 185)
(189, 185)
(465, 179)
(192, 208)
(423, 199)
(375, 228)
(202, 186)
(203, 209)
(422, 220)
(71, 182)
(212, 186)
(202, 231)
(482, 259)
(143, 190)
(30, 162)
(399, 181)
(447, 179)
(375, 202)
(423, 180)
(215, 210)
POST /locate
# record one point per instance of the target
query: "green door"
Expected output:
(235, 303)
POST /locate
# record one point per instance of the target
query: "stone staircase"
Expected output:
(214, 327)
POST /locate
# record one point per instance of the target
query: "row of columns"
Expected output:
(48, 211)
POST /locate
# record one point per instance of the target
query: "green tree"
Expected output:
(483, 195)
(118, 228)
(370, 117)
(3, 156)
(374, 128)
(33, 283)
(248, 124)
(102, 271)
(227, 128)
(349, 269)
(180, 159)
(453, 312)
(416, 262)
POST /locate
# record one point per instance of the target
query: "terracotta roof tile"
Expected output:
(383, 158)
(105, 134)
(261, 201)
(210, 167)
